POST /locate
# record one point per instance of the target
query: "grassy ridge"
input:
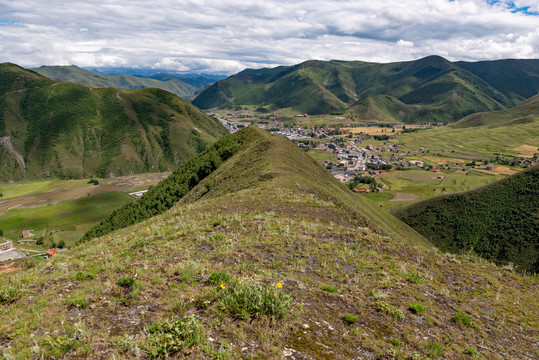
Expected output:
(282, 262)
(498, 222)
(168, 192)
(67, 130)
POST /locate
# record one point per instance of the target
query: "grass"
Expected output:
(312, 236)
(350, 319)
(328, 288)
(417, 308)
(462, 319)
(69, 219)
(388, 309)
(168, 338)
(247, 301)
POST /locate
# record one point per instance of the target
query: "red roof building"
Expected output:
(51, 252)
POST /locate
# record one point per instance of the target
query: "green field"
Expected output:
(69, 218)
(36, 187)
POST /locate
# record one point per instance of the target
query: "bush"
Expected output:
(126, 281)
(93, 181)
(169, 338)
(417, 308)
(218, 278)
(246, 301)
(396, 342)
(61, 244)
(462, 319)
(388, 309)
(9, 293)
(328, 288)
(350, 319)
(435, 350)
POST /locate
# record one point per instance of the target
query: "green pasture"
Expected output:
(70, 219)
(40, 186)
(475, 142)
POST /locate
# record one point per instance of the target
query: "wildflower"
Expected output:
(275, 294)
(279, 285)
(223, 286)
(147, 229)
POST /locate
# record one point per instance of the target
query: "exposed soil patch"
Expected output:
(404, 197)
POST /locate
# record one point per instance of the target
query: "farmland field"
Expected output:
(67, 220)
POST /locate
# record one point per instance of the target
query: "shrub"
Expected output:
(126, 281)
(328, 288)
(80, 276)
(350, 319)
(9, 293)
(93, 181)
(169, 338)
(462, 319)
(61, 244)
(435, 350)
(246, 301)
(78, 300)
(417, 308)
(389, 309)
(396, 342)
(218, 278)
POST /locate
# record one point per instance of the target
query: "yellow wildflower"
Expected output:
(147, 229)
(275, 294)
(279, 285)
(223, 286)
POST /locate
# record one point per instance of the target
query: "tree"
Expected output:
(61, 244)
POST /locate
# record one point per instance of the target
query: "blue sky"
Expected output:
(228, 36)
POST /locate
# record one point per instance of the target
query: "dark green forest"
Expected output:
(499, 222)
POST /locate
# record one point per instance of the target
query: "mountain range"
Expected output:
(67, 130)
(431, 89)
(93, 79)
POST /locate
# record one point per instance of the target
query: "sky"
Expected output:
(216, 36)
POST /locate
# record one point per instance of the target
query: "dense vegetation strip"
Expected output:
(164, 195)
(499, 222)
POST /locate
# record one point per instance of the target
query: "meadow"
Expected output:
(67, 220)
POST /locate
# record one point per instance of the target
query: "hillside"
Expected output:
(66, 130)
(524, 113)
(431, 89)
(263, 260)
(518, 79)
(93, 79)
(498, 222)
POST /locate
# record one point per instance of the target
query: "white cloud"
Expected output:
(211, 35)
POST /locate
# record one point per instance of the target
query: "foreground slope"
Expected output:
(431, 89)
(498, 222)
(63, 129)
(93, 79)
(268, 257)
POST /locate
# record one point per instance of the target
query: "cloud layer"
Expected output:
(228, 36)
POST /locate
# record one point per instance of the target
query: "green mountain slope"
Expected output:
(498, 222)
(260, 260)
(63, 129)
(434, 88)
(524, 113)
(518, 79)
(93, 79)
